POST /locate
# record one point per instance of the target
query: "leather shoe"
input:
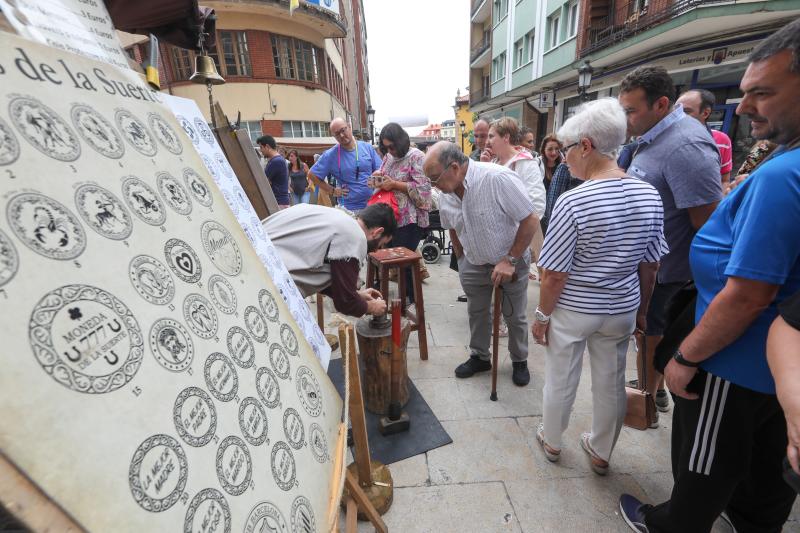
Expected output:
(472, 366)
(520, 374)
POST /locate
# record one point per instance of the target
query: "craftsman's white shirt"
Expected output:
(486, 219)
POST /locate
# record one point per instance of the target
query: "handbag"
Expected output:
(641, 406)
(386, 197)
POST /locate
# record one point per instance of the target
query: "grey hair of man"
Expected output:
(787, 38)
(601, 121)
(450, 153)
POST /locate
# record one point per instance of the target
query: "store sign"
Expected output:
(328, 5)
(713, 56)
(546, 99)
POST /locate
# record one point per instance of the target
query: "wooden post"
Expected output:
(347, 341)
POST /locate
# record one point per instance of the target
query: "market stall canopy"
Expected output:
(177, 22)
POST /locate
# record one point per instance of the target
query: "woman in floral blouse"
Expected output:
(401, 172)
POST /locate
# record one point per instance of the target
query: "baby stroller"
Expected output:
(433, 240)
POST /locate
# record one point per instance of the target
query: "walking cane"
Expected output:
(498, 299)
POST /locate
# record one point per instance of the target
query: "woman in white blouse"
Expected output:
(599, 262)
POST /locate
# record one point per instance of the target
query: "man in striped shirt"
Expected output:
(491, 222)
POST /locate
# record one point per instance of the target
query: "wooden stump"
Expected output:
(375, 354)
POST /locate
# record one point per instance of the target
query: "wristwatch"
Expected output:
(513, 260)
(541, 317)
(678, 356)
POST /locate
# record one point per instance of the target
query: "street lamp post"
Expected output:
(371, 119)
(585, 80)
(463, 133)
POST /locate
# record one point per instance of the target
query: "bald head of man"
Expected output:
(341, 131)
(481, 133)
(446, 166)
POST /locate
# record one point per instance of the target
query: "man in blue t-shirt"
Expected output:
(350, 162)
(729, 433)
(277, 170)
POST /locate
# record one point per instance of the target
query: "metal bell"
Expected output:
(205, 71)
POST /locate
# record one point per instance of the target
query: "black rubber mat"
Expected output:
(425, 433)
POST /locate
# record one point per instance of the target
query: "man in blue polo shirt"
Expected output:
(351, 162)
(729, 433)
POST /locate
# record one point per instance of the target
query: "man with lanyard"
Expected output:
(729, 434)
(676, 155)
(351, 162)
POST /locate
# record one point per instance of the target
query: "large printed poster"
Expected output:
(153, 378)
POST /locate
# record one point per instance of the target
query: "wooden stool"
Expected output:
(379, 263)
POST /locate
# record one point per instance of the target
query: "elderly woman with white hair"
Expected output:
(599, 262)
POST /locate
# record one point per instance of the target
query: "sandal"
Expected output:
(552, 454)
(599, 466)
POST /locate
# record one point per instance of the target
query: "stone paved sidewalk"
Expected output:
(494, 477)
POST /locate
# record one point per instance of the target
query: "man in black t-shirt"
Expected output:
(783, 354)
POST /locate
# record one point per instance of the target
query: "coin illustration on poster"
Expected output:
(197, 187)
(221, 248)
(221, 377)
(158, 473)
(279, 361)
(234, 465)
(171, 345)
(284, 469)
(269, 390)
(98, 132)
(46, 226)
(208, 503)
(9, 146)
(266, 518)
(44, 129)
(9, 259)
(302, 516)
(195, 416)
(59, 329)
(200, 316)
(103, 212)
(253, 421)
(135, 132)
(165, 134)
(151, 279)
(241, 347)
(187, 126)
(174, 194)
(222, 294)
(183, 260)
(308, 391)
(143, 201)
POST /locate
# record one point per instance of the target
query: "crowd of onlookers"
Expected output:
(633, 221)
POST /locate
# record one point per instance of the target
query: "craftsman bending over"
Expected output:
(323, 249)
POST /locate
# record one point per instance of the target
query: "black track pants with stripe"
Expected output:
(727, 451)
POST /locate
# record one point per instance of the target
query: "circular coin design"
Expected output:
(279, 360)
(195, 416)
(182, 260)
(86, 339)
(103, 212)
(223, 164)
(143, 201)
(44, 129)
(151, 279)
(9, 259)
(187, 126)
(208, 512)
(293, 428)
(205, 132)
(135, 132)
(230, 200)
(221, 248)
(234, 465)
(318, 443)
(9, 146)
(221, 378)
(197, 187)
(211, 166)
(173, 193)
(265, 517)
(269, 390)
(284, 470)
(241, 197)
(46, 226)
(253, 421)
(241, 347)
(222, 294)
(268, 304)
(302, 516)
(171, 345)
(289, 339)
(98, 132)
(308, 391)
(256, 323)
(200, 316)
(158, 473)
(164, 133)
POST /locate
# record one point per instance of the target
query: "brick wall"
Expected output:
(272, 127)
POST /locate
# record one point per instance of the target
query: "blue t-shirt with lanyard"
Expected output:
(351, 168)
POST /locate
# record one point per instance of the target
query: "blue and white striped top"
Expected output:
(599, 232)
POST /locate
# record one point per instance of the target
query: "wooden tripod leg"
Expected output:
(498, 299)
(352, 484)
(351, 516)
(320, 312)
(357, 418)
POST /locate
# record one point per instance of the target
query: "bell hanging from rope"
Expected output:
(205, 71)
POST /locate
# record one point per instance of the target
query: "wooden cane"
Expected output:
(498, 299)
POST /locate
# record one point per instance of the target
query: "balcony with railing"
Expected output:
(479, 49)
(630, 17)
(480, 10)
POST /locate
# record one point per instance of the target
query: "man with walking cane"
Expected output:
(491, 222)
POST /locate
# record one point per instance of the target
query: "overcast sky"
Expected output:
(418, 53)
